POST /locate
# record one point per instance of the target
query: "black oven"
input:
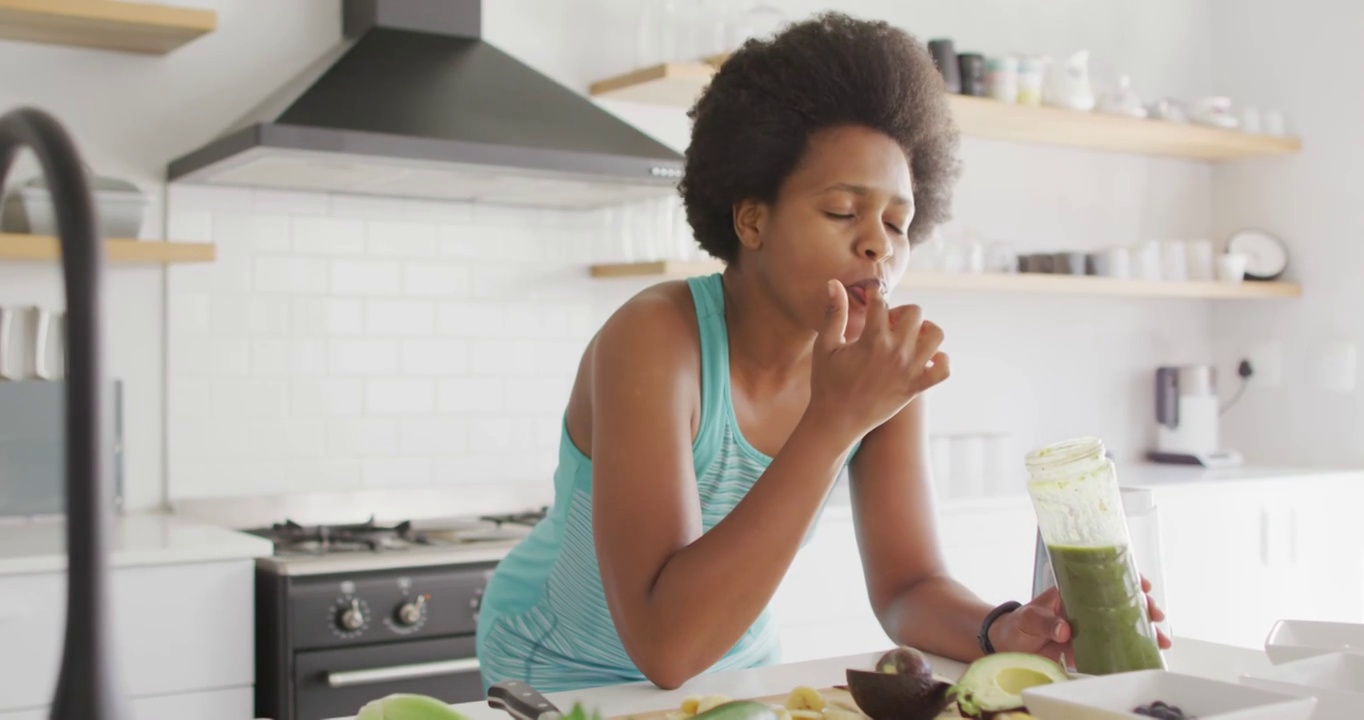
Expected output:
(329, 643)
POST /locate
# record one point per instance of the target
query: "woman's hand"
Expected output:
(1040, 627)
(861, 384)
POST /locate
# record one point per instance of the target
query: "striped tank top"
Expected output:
(544, 619)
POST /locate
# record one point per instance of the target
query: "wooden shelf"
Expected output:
(1025, 283)
(152, 252)
(138, 27)
(678, 84)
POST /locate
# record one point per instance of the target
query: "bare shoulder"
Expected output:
(662, 314)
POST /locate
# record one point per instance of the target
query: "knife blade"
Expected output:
(521, 701)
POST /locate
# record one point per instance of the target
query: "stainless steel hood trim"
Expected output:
(202, 164)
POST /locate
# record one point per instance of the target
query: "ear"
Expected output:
(750, 219)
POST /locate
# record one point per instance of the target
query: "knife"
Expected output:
(521, 701)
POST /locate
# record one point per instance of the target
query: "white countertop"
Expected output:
(1193, 657)
(39, 545)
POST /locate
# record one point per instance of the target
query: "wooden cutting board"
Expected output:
(832, 695)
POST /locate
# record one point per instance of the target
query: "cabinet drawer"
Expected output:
(178, 628)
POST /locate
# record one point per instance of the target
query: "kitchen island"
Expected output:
(1193, 657)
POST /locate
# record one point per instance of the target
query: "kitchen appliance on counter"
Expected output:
(1187, 413)
(357, 602)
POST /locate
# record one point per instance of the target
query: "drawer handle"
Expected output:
(400, 672)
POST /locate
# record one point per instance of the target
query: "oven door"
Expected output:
(336, 683)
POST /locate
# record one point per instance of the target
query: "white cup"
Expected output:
(1173, 261)
(1146, 260)
(1118, 263)
(1231, 268)
(1200, 266)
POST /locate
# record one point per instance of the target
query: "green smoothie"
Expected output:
(1101, 590)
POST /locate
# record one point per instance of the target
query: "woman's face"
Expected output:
(840, 215)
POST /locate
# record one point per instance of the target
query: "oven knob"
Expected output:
(410, 613)
(351, 618)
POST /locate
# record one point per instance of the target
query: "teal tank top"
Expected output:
(544, 619)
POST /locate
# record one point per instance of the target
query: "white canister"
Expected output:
(1001, 78)
(1200, 265)
(1032, 72)
(1174, 265)
(1146, 263)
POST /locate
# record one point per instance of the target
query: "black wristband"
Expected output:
(984, 636)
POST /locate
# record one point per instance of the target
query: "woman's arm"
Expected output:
(916, 601)
(907, 581)
(680, 599)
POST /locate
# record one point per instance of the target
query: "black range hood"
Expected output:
(414, 103)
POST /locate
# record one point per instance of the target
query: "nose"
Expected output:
(873, 244)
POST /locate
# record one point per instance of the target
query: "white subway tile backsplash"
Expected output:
(397, 472)
(471, 319)
(362, 436)
(189, 314)
(290, 202)
(299, 437)
(400, 239)
(400, 317)
(399, 397)
(212, 357)
(343, 342)
(331, 397)
(432, 435)
(365, 277)
(435, 280)
(328, 316)
(363, 357)
(329, 236)
(434, 357)
(237, 400)
(471, 395)
(194, 226)
(503, 357)
(528, 395)
(209, 197)
(239, 232)
(287, 356)
(298, 276)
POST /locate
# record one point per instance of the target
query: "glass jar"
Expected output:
(1080, 516)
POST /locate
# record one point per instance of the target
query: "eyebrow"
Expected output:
(864, 190)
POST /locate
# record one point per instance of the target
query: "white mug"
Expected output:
(1231, 268)
(1174, 261)
(1200, 266)
(1146, 260)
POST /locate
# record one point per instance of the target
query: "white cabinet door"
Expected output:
(179, 629)
(231, 704)
(989, 548)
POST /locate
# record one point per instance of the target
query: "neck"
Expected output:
(767, 342)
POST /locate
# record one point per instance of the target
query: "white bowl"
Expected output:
(1114, 697)
(1335, 680)
(1291, 640)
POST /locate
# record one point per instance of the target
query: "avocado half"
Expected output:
(995, 683)
(896, 696)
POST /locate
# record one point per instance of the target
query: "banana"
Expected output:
(690, 704)
(782, 713)
(708, 702)
(805, 698)
(806, 715)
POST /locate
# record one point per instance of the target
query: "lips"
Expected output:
(857, 292)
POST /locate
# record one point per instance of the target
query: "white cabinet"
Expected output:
(182, 630)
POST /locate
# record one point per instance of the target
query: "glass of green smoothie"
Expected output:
(1074, 491)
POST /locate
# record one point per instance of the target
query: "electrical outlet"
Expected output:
(1266, 360)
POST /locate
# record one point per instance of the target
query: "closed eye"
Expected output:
(840, 216)
(898, 231)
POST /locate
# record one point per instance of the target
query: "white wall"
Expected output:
(1273, 54)
(1033, 367)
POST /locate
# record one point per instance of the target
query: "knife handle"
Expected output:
(520, 700)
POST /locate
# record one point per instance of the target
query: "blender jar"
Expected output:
(1080, 517)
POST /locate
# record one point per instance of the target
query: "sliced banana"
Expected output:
(690, 704)
(708, 702)
(782, 713)
(838, 711)
(804, 698)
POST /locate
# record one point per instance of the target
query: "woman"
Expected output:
(710, 418)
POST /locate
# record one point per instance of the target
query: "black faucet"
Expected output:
(87, 686)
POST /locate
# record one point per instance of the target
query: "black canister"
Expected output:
(945, 57)
(972, 72)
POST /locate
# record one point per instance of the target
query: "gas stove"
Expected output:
(307, 549)
(369, 594)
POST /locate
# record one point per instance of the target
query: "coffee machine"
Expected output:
(1187, 414)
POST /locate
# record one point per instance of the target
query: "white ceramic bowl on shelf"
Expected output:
(1336, 680)
(1115, 697)
(1291, 640)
